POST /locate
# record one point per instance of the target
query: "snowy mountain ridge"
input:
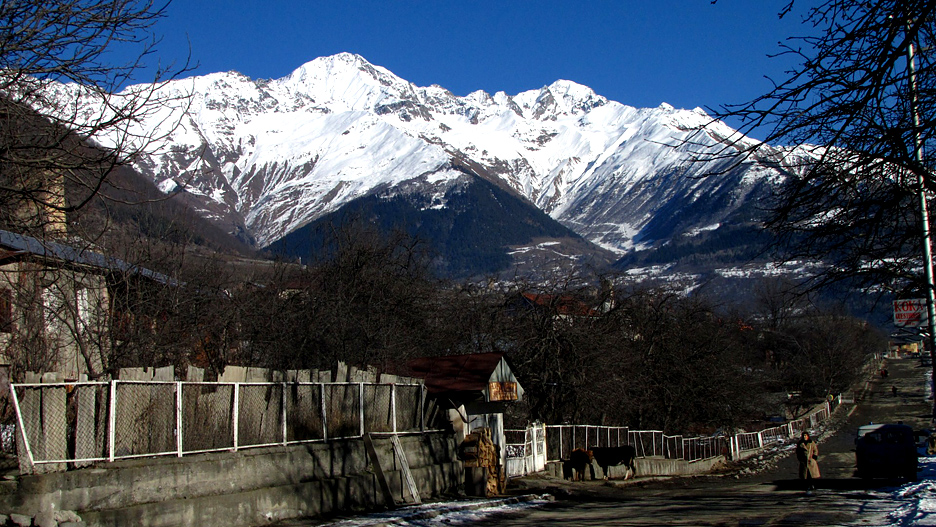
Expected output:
(265, 157)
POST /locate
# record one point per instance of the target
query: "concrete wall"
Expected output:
(245, 488)
(647, 466)
(675, 467)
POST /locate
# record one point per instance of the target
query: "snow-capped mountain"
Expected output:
(264, 158)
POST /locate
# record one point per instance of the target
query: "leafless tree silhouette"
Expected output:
(845, 118)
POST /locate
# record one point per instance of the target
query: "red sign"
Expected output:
(910, 313)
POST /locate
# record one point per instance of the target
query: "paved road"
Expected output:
(771, 497)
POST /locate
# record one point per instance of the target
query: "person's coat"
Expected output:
(807, 452)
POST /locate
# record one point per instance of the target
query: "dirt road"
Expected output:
(772, 496)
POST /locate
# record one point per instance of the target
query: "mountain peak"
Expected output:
(347, 79)
(576, 96)
(284, 152)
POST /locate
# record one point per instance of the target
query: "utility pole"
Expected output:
(924, 214)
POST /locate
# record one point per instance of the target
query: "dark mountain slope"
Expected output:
(472, 234)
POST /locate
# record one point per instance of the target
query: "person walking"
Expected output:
(807, 453)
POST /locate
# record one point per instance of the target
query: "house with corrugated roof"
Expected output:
(60, 305)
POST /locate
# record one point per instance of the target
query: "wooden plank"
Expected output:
(378, 471)
(258, 375)
(85, 425)
(404, 466)
(166, 373)
(54, 435)
(341, 372)
(133, 374)
(234, 374)
(194, 374)
(28, 436)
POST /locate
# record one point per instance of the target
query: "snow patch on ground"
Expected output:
(920, 498)
(445, 513)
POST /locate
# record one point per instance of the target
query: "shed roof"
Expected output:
(456, 373)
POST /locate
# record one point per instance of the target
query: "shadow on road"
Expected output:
(851, 484)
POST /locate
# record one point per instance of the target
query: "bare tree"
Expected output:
(846, 115)
(56, 94)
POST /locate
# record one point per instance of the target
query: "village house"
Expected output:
(60, 306)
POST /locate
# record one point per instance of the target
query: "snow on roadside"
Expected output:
(446, 513)
(919, 497)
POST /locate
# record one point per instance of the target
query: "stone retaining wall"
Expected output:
(648, 466)
(234, 489)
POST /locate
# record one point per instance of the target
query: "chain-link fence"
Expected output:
(76, 424)
(561, 440)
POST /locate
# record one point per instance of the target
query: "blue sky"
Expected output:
(687, 53)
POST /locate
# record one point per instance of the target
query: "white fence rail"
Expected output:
(558, 441)
(563, 439)
(82, 423)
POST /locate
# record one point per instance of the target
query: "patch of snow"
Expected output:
(444, 513)
(919, 498)
(699, 230)
(168, 186)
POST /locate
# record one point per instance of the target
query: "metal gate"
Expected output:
(526, 451)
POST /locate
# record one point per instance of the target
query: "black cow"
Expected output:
(611, 456)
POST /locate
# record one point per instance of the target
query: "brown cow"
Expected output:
(574, 468)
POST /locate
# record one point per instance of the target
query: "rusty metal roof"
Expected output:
(562, 304)
(456, 373)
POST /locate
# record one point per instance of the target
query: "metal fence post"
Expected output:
(112, 421)
(283, 415)
(178, 418)
(235, 412)
(324, 416)
(560, 444)
(22, 428)
(361, 405)
(393, 405)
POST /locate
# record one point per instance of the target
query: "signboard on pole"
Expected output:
(910, 313)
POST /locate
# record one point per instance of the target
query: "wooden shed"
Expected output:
(476, 389)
